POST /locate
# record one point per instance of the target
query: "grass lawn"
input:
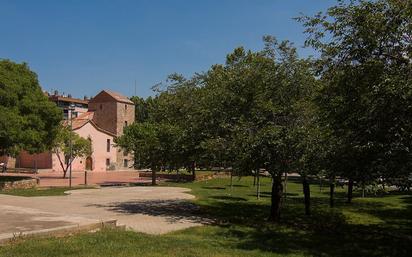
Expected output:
(373, 226)
(53, 191)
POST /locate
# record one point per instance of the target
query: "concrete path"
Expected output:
(153, 210)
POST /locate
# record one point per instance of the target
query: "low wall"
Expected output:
(23, 183)
(185, 177)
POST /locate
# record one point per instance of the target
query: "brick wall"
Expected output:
(105, 115)
(125, 113)
(41, 160)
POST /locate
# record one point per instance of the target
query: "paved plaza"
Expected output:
(153, 210)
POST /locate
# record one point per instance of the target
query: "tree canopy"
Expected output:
(28, 120)
(366, 97)
(346, 113)
(68, 142)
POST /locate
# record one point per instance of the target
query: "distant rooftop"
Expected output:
(61, 98)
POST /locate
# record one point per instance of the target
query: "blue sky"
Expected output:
(81, 47)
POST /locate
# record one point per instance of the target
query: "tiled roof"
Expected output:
(119, 97)
(82, 120)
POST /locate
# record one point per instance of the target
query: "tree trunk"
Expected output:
(254, 179)
(61, 163)
(153, 177)
(35, 163)
(193, 170)
(65, 170)
(231, 180)
(277, 189)
(258, 185)
(6, 163)
(350, 190)
(331, 192)
(306, 193)
(363, 189)
(320, 184)
(285, 185)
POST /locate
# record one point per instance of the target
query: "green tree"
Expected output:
(141, 108)
(178, 104)
(67, 140)
(154, 143)
(366, 97)
(251, 104)
(28, 120)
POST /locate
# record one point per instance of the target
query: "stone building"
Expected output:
(107, 115)
(113, 112)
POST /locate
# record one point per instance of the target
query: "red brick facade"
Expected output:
(41, 160)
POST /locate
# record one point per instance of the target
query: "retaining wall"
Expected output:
(24, 183)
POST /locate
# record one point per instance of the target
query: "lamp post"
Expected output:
(71, 109)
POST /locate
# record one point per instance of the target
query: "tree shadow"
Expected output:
(269, 194)
(229, 198)
(353, 242)
(213, 187)
(325, 233)
(172, 210)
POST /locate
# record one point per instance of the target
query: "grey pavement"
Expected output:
(153, 210)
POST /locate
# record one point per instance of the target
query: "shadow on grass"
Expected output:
(347, 243)
(269, 194)
(172, 210)
(325, 233)
(213, 187)
(229, 198)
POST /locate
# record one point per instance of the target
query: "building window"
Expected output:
(65, 114)
(101, 106)
(125, 107)
(126, 163)
(125, 124)
(107, 162)
(108, 145)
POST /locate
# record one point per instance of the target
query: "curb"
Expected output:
(59, 231)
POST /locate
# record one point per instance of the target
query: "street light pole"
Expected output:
(71, 109)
